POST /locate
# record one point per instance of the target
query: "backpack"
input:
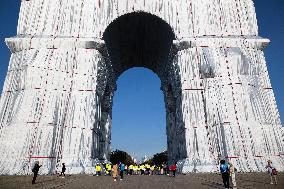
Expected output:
(224, 168)
(122, 167)
(274, 171)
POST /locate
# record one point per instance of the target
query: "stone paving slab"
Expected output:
(192, 181)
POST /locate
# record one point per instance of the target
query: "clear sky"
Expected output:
(139, 110)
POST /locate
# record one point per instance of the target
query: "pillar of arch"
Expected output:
(56, 102)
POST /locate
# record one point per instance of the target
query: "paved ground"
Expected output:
(192, 181)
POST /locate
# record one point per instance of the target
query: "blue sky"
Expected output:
(139, 110)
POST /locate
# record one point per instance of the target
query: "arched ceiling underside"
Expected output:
(138, 39)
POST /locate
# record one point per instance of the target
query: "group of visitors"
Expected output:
(227, 171)
(144, 169)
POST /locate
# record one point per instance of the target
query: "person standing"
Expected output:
(272, 172)
(142, 168)
(114, 172)
(108, 169)
(232, 170)
(131, 169)
(147, 169)
(98, 170)
(121, 169)
(153, 170)
(35, 170)
(224, 169)
(166, 170)
(161, 170)
(126, 169)
(174, 169)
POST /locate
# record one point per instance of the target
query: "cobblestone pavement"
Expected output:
(192, 181)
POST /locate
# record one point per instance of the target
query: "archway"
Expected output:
(141, 39)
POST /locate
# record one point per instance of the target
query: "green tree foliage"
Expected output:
(160, 158)
(150, 162)
(120, 156)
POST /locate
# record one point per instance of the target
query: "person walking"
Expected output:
(232, 172)
(121, 169)
(224, 169)
(63, 170)
(272, 172)
(35, 170)
(114, 172)
(108, 169)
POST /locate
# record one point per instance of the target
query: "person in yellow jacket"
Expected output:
(152, 169)
(139, 169)
(130, 169)
(142, 168)
(98, 170)
(108, 169)
(147, 166)
(135, 168)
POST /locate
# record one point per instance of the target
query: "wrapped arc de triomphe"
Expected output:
(56, 103)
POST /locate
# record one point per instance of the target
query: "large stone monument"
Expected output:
(56, 104)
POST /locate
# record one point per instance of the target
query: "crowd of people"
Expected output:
(120, 169)
(227, 170)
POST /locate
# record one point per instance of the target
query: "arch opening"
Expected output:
(140, 39)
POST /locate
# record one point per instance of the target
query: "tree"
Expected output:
(160, 158)
(120, 156)
(150, 162)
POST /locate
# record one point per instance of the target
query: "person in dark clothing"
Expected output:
(35, 170)
(224, 169)
(63, 170)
